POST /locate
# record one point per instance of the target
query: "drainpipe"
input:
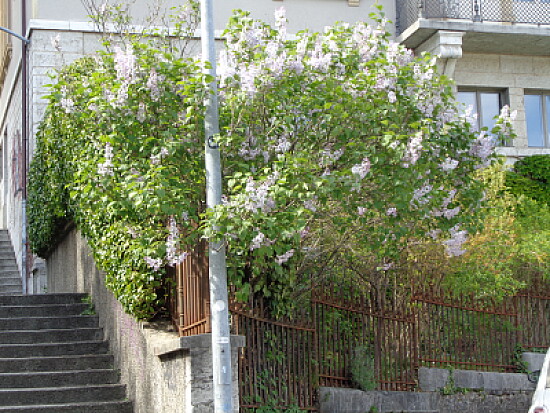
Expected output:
(25, 131)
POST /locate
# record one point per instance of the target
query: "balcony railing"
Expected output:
(510, 11)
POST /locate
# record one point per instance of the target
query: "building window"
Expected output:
(5, 41)
(537, 116)
(486, 103)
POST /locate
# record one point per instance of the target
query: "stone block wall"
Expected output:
(515, 74)
(333, 400)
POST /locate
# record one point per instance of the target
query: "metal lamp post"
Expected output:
(221, 345)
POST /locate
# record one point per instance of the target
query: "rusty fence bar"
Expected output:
(189, 298)
(454, 331)
(375, 337)
(278, 367)
(533, 319)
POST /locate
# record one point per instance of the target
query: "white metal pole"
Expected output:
(221, 346)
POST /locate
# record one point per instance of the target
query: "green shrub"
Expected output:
(531, 177)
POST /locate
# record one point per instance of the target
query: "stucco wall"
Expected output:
(163, 374)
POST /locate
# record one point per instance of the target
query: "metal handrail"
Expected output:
(506, 11)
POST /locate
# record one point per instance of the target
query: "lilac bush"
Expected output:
(340, 141)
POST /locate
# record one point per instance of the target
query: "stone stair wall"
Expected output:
(10, 278)
(53, 358)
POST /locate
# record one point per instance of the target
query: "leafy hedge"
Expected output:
(531, 177)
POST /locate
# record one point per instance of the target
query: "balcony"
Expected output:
(490, 26)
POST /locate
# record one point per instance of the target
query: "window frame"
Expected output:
(502, 97)
(543, 94)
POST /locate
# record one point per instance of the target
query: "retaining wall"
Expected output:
(163, 373)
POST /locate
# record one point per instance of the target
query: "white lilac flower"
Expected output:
(280, 23)
(449, 198)
(319, 60)
(122, 95)
(257, 195)
(227, 67)
(68, 105)
(153, 84)
(414, 148)
(311, 204)
(453, 245)
(155, 159)
(154, 263)
(281, 259)
(391, 212)
(386, 266)
(449, 164)
(260, 240)
(106, 168)
(362, 169)
(434, 234)
(361, 211)
(283, 145)
(392, 98)
(172, 256)
(451, 213)
(483, 146)
(248, 75)
(421, 196)
(125, 64)
(140, 115)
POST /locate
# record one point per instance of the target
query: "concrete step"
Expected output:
(59, 363)
(11, 289)
(50, 336)
(9, 280)
(42, 299)
(42, 310)
(14, 273)
(95, 407)
(48, 323)
(58, 395)
(58, 378)
(53, 349)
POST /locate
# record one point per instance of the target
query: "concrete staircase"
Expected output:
(10, 279)
(53, 358)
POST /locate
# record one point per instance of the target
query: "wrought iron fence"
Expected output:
(465, 333)
(509, 11)
(372, 337)
(189, 298)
